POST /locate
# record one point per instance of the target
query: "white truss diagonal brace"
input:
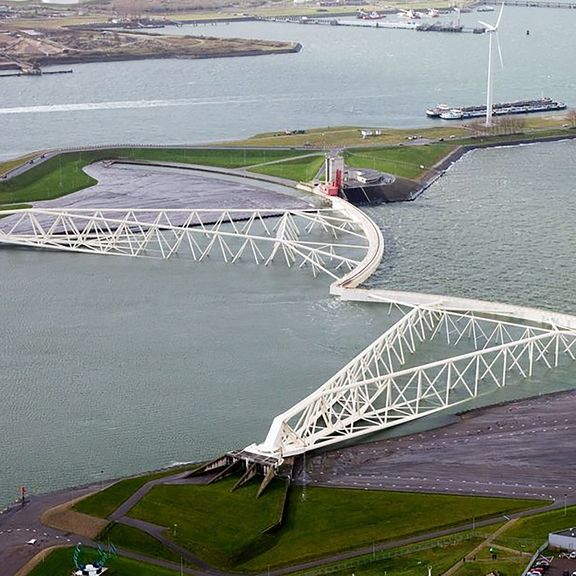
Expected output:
(376, 390)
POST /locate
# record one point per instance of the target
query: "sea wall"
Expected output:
(456, 154)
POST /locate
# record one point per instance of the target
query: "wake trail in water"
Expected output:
(135, 104)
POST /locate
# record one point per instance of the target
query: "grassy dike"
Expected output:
(410, 154)
(101, 504)
(63, 173)
(230, 530)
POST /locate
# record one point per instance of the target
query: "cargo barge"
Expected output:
(517, 107)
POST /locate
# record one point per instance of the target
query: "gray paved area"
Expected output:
(561, 565)
(524, 449)
(122, 186)
(132, 186)
(22, 524)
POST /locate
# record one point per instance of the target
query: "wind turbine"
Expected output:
(492, 30)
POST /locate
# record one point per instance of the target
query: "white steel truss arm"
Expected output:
(377, 390)
(325, 240)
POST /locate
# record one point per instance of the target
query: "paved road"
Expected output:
(22, 523)
(523, 449)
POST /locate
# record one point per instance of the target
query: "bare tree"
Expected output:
(512, 124)
(518, 125)
(478, 128)
(571, 117)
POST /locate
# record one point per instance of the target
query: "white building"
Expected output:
(565, 539)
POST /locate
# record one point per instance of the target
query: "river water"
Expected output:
(499, 225)
(112, 366)
(343, 76)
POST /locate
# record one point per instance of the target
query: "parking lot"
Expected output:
(561, 566)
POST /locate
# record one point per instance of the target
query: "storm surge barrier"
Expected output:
(388, 384)
(404, 375)
(325, 240)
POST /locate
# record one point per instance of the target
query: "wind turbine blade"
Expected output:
(489, 27)
(499, 16)
(499, 51)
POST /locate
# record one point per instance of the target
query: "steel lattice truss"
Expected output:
(326, 240)
(379, 389)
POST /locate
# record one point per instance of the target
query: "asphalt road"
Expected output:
(22, 523)
(523, 449)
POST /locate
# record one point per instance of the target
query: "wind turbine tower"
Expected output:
(491, 31)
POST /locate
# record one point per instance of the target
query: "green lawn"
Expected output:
(222, 527)
(63, 174)
(404, 161)
(331, 520)
(103, 503)
(300, 169)
(60, 563)
(533, 531)
(13, 207)
(328, 521)
(130, 538)
(505, 567)
(415, 563)
(222, 157)
(440, 553)
(51, 179)
(351, 136)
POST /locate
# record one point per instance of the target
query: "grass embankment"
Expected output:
(299, 169)
(528, 136)
(331, 520)
(513, 547)
(407, 162)
(6, 167)
(63, 173)
(47, 180)
(102, 504)
(130, 538)
(531, 532)
(61, 563)
(225, 529)
(350, 136)
(440, 553)
(340, 136)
